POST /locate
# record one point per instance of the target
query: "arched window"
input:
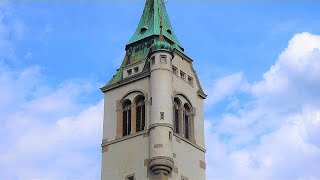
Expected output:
(126, 118)
(140, 114)
(186, 120)
(176, 108)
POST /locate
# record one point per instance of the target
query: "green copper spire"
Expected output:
(154, 33)
(154, 16)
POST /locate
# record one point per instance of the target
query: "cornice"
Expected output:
(125, 81)
(189, 142)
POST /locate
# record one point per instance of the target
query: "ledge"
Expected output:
(125, 81)
(189, 142)
(123, 138)
(202, 94)
(160, 124)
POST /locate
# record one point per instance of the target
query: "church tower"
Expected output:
(153, 124)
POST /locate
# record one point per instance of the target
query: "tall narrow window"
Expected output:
(190, 80)
(175, 70)
(186, 117)
(140, 114)
(153, 60)
(176, 107)
(126, 129)
(182, 75)
(161, 115)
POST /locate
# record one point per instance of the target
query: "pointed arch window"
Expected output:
(126, 130)
(140, 113)
(186, 121)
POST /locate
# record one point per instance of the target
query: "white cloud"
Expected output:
(224, 87)
(277, 135)
(294, 79)
(48, 131)
(53, 128)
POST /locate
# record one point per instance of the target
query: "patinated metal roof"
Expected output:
(149, 25)
(154, 26)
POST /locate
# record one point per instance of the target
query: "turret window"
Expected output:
(126, 129)
(161, 115)
(140, 114)
(163, 59)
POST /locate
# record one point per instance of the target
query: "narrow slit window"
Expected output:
(190, 80)
(153, 60)
(161, 115)
(174, 70)
(182, 75)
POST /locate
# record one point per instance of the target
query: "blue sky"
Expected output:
(259, 62)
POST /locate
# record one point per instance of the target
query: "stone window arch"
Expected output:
(132, 114)
(126, 117)
(183, 117)
(140, 113)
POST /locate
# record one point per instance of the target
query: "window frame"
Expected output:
(161, 115)
(163, 59)
(126, 118)
(182, 75)
(129, 72)
(140, 114)
(153, 60)
(190, 80)
(136, 69)
(175, 70)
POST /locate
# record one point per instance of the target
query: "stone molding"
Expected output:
(161, 68)
(161, 164)
(189, 142)
(123, 138)
(160, 124)
(125, 81)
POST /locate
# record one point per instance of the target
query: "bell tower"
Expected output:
(153, 108)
